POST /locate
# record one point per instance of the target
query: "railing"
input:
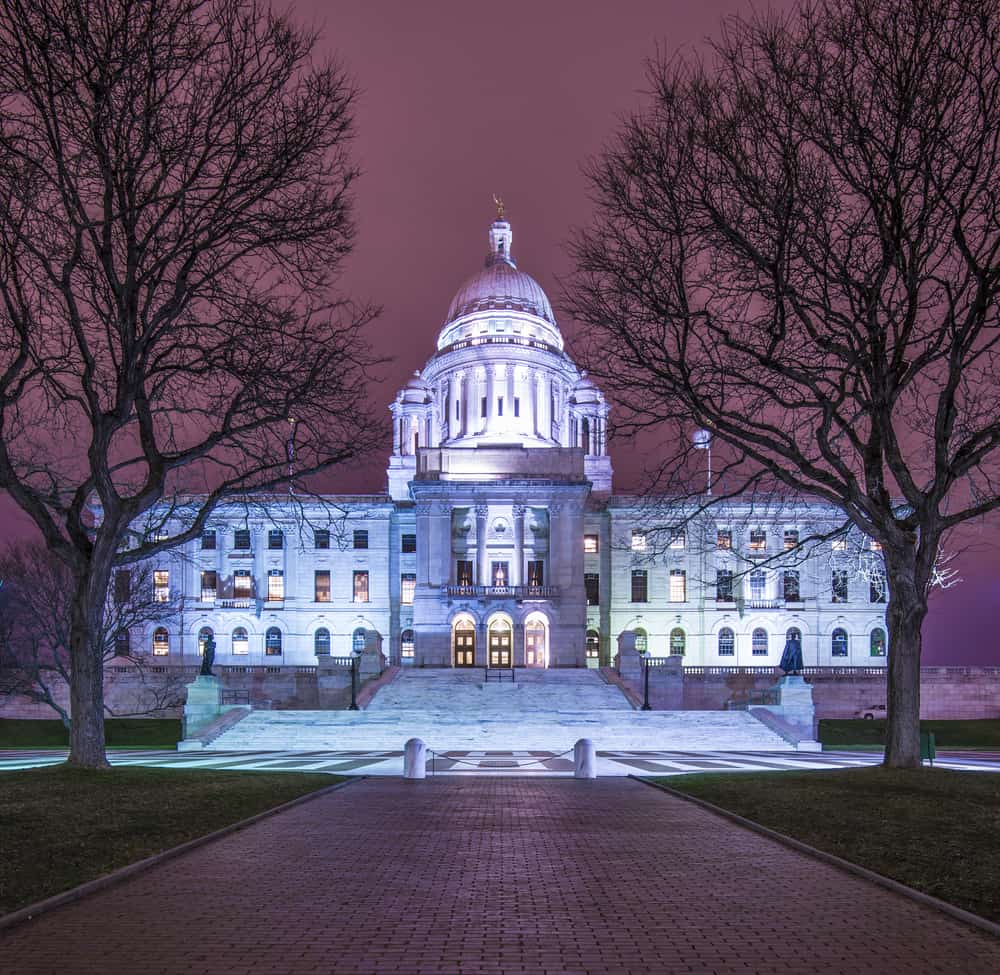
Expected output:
(500, 673)
(770, 697)
(241, 603)
(264, 669)
(503, 592)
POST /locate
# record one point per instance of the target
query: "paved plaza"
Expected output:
(489, 874)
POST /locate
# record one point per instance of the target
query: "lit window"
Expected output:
(679, 540)
(639, 586)
(161, 585)
(321, 641)
(790, 586)
(791, 538)
(758, 583)
(758, 540)
(727, 642)
(536, 572)
(209, 586)
(242, 584)
(638, 541)
(591, 543)
(463, 572)
(838, 584)
(204, 635)
(758, 642)
(321, 538)
(407, 588)
(876, 642)
(677, 641)
(678, 586)
(724, 585)
(161, 642)
(275, 585)
(241, 539)
(321, 592)
(593, 645)
(839, 544)
(724, 538)
(272, 642)
(838, 642)
(361, 538)
(874, 546)
(275, 538)
(641, 640)
(208, 539)
(407, 648)
(361, 586)
(592, 586)
(500, 575)
(408, 544)
(241, 642)
(358, 639)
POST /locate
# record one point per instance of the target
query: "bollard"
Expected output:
(584, 760)
(414, 759)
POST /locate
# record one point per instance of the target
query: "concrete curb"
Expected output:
(967, 917)
(140, 866)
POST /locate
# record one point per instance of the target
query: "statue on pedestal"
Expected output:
(207, 658)
(791, 658)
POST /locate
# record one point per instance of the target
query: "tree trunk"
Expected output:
(904, 616)
(86, 686)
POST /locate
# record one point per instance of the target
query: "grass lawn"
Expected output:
(947, 734)
(61, 826)
(932, 829)
(121, 732)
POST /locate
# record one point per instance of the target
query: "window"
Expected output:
(838, 642)
(321, 641)
(876, 588)
(204, 635)
(361, 586)
(591, 543)
(536, 572)
(724, 585)
(727, 642)
(678, 541)
(275, 585)
(209, 586)
(241, 539)
(123, 587)
(592, 584)
(639, 590)
(500, 575)
(161, 642)
(321, 582)
(638, 541)
(408, 544)
(407, 647)
(758, 583)
(641, 640)
(678, 586)
(242, 584)
(677, 641)
(241, 642)
(122, 647)
(593, 645)
(161, 585)
(272, 642)
(758, 540)
(517, 406)
(876, 642)
(463, 572)
(793, 633)
(839, 544)
(458, 409)
(275, 538)
(358, 639)
(407, 587)
(361, 538)
(874, 546)
(724, 538)
(791, 538)
(758, 642)
(482, 406)
(321, 538)
(839, 585)
(500, 406)
(790, 586)
(208, 540)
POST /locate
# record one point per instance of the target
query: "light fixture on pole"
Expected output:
(702, 440)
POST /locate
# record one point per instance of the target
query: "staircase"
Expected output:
(545, 710)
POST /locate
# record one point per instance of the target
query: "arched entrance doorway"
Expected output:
(536, 642)
(500, 636)
(463, 640)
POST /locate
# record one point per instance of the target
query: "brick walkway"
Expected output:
(496, 875)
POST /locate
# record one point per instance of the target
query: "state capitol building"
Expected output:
(500, 539)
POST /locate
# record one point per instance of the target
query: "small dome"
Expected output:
(416, 390)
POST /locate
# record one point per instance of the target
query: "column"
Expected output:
(468, 424)
(510, 423)
(533, 405)
(482, 571)
(517, 577)
(491, 405)
(395, 434)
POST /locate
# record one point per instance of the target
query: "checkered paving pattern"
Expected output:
(489, 875)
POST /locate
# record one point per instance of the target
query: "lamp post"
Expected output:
(645, 683)
(355, 660)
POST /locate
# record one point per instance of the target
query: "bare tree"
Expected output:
(796, 248)
(35, 615)
(174, 208)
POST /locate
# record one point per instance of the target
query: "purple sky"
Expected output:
(461, 100)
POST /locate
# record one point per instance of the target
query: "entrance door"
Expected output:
(534, 644)
(500, 644)
(465, 645)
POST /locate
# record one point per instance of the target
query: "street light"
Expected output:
(355, 660)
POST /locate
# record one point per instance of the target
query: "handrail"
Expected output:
(500, 672)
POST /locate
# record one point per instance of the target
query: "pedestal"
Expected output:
(797, 707)
(202, 705)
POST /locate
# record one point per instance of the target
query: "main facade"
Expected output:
(499, 538)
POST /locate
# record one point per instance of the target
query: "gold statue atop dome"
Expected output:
(498, 202)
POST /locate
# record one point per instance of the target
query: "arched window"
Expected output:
(204, 635)
(358, 639)
(641, 639)
(877, 642)
(758, 642)
(161, 642)
(793, 633)
(727, 642)
(838, 642)
(272, 642)
(593, 645)
(677, 642)
(407, 645)
(585, 435)
(241, 641)
(321, 641)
